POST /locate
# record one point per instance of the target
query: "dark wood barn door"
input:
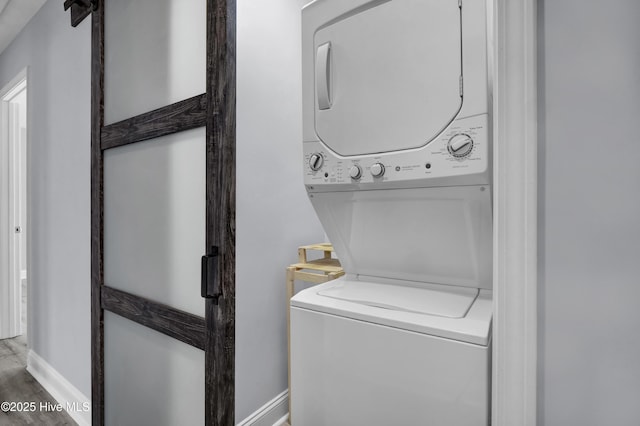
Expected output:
(163, 211)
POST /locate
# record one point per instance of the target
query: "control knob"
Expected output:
(315, 161)
(377, 170)
(355, 172)
(460, 145)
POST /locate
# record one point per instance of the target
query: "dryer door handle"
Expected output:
(323, 76)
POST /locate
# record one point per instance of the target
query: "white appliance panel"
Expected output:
(446, 301)
(432, 165)
(425, 235)
(368, 374)
(320, 15)
(441, 321)
(388, 76)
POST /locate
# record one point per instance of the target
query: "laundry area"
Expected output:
(319, 212)
(397, 165)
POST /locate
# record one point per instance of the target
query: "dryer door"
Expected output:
(387, 77)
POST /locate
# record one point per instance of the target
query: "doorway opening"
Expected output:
(13, 214)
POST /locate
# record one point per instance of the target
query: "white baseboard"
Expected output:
(77, 405)
(282, 421)
(273, 413)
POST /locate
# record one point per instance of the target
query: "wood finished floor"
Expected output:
(17, 385)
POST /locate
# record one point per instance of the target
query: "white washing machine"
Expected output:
(397, 164)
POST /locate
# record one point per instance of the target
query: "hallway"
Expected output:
(17, 385)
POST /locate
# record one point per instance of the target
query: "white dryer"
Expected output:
(397, 164)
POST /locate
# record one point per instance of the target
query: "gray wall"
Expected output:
(58, 57)
(589, 233)
(274, 216)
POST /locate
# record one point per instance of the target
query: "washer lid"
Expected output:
(388, 75)
(452, 302)
(473, 327)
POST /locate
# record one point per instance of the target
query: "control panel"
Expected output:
(459, 155)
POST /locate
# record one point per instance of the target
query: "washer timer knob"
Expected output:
(355, 172)
(460, 145)
(315, 161)
(377, 170)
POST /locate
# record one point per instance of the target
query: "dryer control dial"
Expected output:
(460, 145)
(355, 172)
(315, 161)
(377, 170)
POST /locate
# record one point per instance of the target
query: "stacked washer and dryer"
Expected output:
(397, 157)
